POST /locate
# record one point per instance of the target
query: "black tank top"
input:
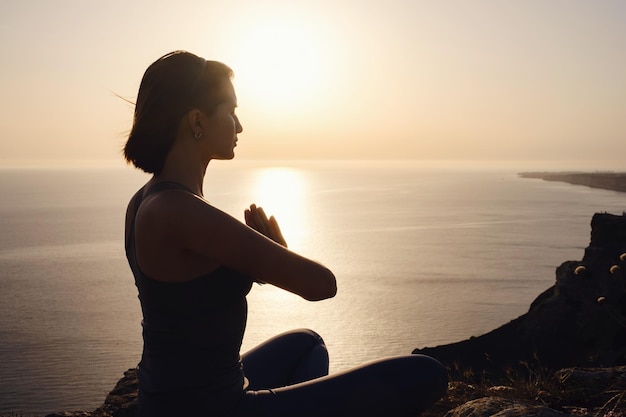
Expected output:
(192, 331)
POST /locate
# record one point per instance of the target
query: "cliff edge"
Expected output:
(578, 322)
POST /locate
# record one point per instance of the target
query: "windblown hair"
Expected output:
(171, 86)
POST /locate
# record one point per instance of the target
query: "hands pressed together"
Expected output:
(258, 220)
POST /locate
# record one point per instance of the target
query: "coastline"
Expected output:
(614, 181)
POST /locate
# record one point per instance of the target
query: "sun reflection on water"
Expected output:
(282, 192)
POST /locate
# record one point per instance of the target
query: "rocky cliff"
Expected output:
(580, 321)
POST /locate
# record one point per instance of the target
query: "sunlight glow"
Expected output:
(282, 192)
(279, 64)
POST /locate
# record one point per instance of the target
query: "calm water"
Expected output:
(423, 256)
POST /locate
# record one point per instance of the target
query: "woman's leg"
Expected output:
(400, 386)
(287, 359)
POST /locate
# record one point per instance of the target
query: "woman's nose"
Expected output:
(238, 126)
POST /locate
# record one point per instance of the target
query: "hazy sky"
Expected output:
(333, 79)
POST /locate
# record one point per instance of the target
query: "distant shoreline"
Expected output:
(614, 181)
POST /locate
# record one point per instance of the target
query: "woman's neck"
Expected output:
(183, 171)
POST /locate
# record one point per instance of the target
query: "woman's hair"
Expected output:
(172, 86)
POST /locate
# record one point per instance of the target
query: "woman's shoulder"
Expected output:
(179, 208)
(133, 204)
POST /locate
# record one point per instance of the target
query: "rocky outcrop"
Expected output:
(580, 392)
(579, 322)
(573, 391)
(121, 401)
(502, 407)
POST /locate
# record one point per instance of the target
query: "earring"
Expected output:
(198, 135)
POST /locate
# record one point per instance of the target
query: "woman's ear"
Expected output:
(194, 121)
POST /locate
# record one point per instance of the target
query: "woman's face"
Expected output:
(223, 126)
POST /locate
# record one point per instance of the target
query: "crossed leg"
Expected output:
(397, 386)
(287, 359)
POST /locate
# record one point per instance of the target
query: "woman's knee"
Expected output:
(302, 336)
(313, 361)
(432, 372)
(288, 358)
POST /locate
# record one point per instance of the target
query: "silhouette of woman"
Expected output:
(194, 265)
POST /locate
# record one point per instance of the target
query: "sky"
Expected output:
(527, 80)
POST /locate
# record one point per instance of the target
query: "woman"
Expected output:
(194, 265)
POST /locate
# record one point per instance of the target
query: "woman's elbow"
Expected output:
(325, 287)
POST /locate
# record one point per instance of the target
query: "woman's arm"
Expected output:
(195, 225)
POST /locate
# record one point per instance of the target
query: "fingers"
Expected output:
(257, 219)
(277, 233)
(261, 221)
(247, 214)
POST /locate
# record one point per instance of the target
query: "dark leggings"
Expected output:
(288, 376)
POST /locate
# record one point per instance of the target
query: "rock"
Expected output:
(121, 401)
(501, 407)
(598, 378)
(579, 322)
(595, 387)
(75, 414)
(96, 413)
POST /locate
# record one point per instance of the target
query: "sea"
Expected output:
(424, 254)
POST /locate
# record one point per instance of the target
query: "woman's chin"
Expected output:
(226, 157)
